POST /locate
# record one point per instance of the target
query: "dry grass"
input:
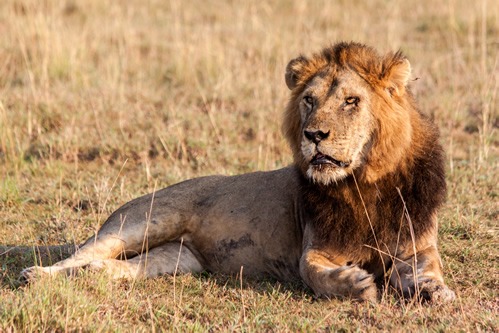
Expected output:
(101, 101)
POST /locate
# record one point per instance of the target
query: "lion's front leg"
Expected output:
(421, 275)
(330, 279)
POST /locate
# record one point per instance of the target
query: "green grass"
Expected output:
(101, 102)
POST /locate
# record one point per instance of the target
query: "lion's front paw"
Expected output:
(436, 292)
(353, 282)
(430, 291)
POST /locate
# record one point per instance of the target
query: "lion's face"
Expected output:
(336, 124)
(348, 112)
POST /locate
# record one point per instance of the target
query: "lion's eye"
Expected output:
(352, 100)
(309, 100)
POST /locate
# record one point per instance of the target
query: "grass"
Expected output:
(102, 101)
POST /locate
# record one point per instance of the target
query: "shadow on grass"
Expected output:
(260, 285)
(13, 259)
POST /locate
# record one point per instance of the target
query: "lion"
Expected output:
(357, 206)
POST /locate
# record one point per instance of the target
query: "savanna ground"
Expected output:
(102, 101)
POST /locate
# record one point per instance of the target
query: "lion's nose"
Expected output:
(315, 136)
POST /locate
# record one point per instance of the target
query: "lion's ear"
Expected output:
(396, 73)
(294, 70)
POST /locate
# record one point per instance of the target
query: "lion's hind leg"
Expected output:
(170, 258)
(94, 249)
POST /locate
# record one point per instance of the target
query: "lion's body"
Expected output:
(222, 223)
(359, 202)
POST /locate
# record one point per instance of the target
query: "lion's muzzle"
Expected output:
(321, 159)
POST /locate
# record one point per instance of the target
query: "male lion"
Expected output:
(360, 200)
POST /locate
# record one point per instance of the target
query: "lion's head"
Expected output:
(349, 112)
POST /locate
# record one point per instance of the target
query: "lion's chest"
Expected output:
(363, 231)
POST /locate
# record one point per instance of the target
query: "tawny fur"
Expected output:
(359, 202)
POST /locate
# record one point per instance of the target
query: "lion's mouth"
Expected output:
(321, 159)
